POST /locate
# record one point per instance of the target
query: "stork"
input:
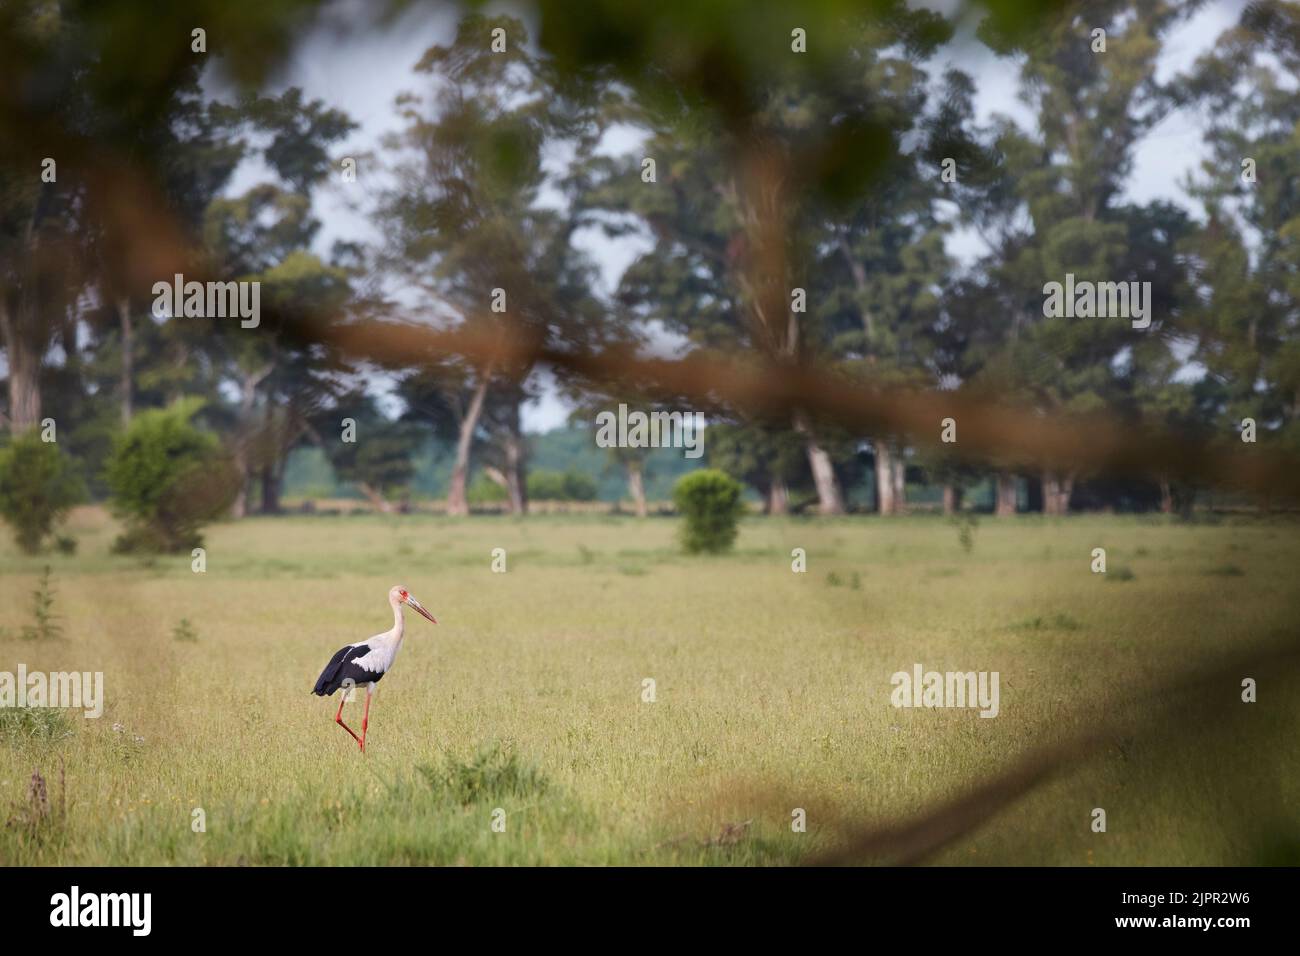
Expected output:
(367, 662)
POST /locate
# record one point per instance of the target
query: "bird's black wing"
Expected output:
(340, 668)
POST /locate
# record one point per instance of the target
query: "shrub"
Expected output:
(546, 485)
(484, 491)
(579, 487)
(168, 478)
(34, 723)
(38, 484)
(45, 624)
(492, 773)
(710, 500)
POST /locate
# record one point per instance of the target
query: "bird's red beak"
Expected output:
(420, 608)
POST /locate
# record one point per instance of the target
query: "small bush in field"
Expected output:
(34, 723)
(168, 479)
(966, 524)
(493, 772)
(38, 485)
(710, 501)
(45, 623)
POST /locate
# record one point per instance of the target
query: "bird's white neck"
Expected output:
(399, 622)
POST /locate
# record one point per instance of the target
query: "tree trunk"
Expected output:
(457, 504)
(270, 489)
(243, 445)
(175, 392)
(1056, 493)
(900, 482)
(377, 501)
(1050, 492)
(1166, 496)
(1036, 493)
(239, 507)
(1006, 494)
(636, 487)
(778, 497)
(885, 503)
(509, 481)
(951, 498)
(829, 500)
(24, 373)
(276, 439)
(891, 474)
(128, 359)
(516, 482)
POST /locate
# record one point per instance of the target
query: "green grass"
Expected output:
(772, 691)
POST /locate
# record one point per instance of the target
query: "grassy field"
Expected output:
(772, 692)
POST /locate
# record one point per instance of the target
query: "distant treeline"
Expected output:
(790, 201)
(559, 452)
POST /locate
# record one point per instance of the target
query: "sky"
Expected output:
(361, 71)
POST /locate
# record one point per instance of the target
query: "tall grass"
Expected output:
(772, 691)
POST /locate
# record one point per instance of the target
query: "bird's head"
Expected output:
(399, 595)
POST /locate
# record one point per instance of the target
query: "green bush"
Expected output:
(579, 487)
(710, 501)
(484, 491)
(38, 484)
(546, 485)
(46, 624)
(494, 772)
(168, 478)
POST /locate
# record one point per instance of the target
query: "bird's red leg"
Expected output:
(338, 717)
(365, 720)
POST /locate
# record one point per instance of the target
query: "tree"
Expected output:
(468, 236)
(280, 376)
(505, 453)
(446, 395)
(1246, 259)
(632, 460)
(1056, 211)
(372, 452)
(168, 478)
(101, 171)
(38, 486)
(773, 461)
(748, 192)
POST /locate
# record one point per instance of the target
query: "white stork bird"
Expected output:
(367, 662)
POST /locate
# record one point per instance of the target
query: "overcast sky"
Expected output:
(362, 72)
